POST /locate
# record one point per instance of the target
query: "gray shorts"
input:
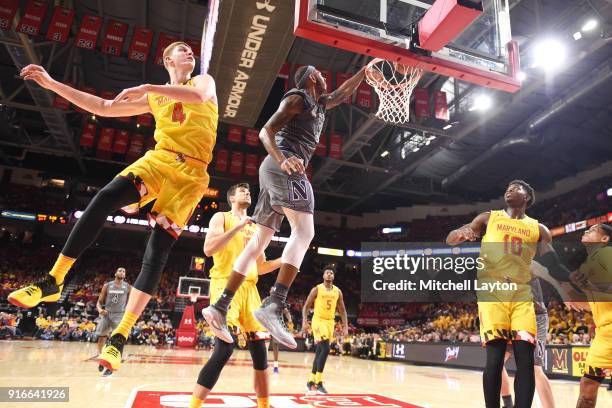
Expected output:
(108, 323)
(539, 354)
(278, 190)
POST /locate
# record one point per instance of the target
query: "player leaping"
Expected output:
(290, 138)
(508, 246)
(174, 175)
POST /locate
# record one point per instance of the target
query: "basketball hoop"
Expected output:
(393, 83)
(193, 297)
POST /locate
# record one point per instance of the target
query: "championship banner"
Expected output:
(164, 41)
(88, 135)
(221, 160)
(422, 108)
(441, 105)
(8, 9)
(321, 149)
(234, 134)
(105, 143)
(87, 36)
(141, 44)
(89, 90)
(33, 17)
(146, 120)
(364, 95)
(236, 163)
(114, 37)
(252, 137)
(250, 165)
(335, 146)
(136, 146)
(122, 139)
(60, 25)
(342, 77)
(250, 46)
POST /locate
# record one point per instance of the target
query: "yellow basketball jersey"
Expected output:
(598, 269)
(325, 302)
(508, 247)
(188, 128)
(224, 259)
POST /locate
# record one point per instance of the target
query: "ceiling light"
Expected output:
(482, 103)
(447, 127)
(384, 154)
(589, 25)
(549, 54)
(522, 76)
(577, 35)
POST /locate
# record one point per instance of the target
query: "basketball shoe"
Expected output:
(110, 358)
(270, 316)
(321, 389)
(43, 290)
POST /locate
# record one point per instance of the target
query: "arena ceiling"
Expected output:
(555, 126)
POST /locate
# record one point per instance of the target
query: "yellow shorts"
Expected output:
(507, 320)
(240, 313)
(599, 359)
(323, 329)
(176, 184)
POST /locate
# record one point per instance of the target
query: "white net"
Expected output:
(393, 83)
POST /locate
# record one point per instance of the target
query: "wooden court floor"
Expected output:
(149, 373)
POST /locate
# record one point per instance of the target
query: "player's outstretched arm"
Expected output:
(216, 237)
(346, 89)
(343, 316)
(307, 306)
(469, 232)
(83, 100)
(203, 91)
(289, 107)
(549, 257)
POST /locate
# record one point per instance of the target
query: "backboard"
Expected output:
(188, 285)
(483, 53)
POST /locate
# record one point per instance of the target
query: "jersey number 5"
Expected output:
(329, 304)
(177, 113)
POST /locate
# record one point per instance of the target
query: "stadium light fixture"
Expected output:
(482, 103)
(384, 154)
(447, 127)
(392, 230)
(577, 35)
(590, 25)
(609, 192)
(522, 76)
(549, 54)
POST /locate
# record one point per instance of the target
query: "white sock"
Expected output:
(276, 364)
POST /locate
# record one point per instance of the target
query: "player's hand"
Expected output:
(577, 306)
(37, 74)
(466, 233)
(103, 312)
(131, 94)
(305, 327)
(293, 165)
(245, 221)
(579, 279)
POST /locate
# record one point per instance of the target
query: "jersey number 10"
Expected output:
(513, 246)
(177, 113)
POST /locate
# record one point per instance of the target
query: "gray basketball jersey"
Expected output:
(301, 135)
(538, 297)
(116, 297)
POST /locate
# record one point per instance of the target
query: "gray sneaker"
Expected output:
(270, 316)
(217, 322)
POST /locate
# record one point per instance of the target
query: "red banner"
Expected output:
(422, 108)
(234, 134)
(195, 47)
(141, 44)
(88, 135)
(164, 41)
(61, 103)
(236, 163)
(250, 165)
(321, 149)
(136, 145)
(341, 78)
(89, 90)
(33, 17)
(221, 158)
(114, 37)
(441, 105)
(335, 146)
(122, 139)
(252, 137)
(146, 120)
(378, 321)
(60, 25)
(105, 143)
(364, 95)
(87, 36)
(8, 9)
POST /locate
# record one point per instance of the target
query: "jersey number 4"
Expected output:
(177, 113)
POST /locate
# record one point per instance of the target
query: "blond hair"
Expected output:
(168, 50)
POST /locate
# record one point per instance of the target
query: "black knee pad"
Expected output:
(523, 354)
(209, 374)
(259, 354)
(324, 345)
(154, 260)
